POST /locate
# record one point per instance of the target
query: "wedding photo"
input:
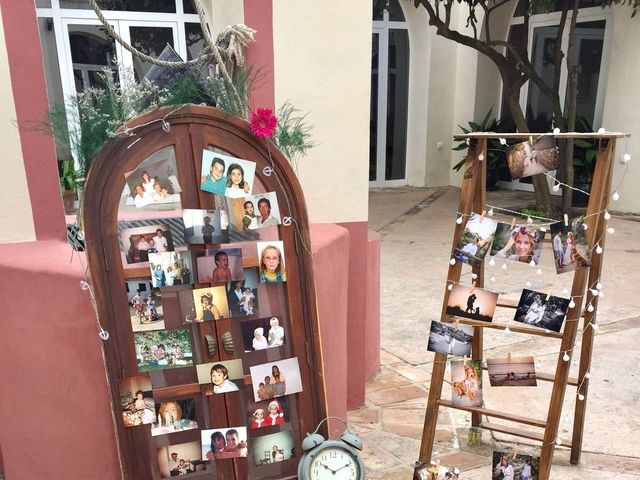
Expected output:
(472, 302)
(570, 248)
(511, 371)
(540, 310)
(475, 241)
(445, 338)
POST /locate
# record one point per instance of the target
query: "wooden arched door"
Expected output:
(156, 334)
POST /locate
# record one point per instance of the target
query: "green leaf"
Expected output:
(582, 143)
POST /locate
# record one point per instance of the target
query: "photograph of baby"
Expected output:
(174, 416)
(445, 338)
(271, 261)
(136, 400)
(261, 334)
(180, 459)
(472, 302)
(273, 448)
(506, 466)
(224, 443)
(141, 237)
(154, 184)
(219, 265)
(256, 211)
(145, 306)
(267, 413)
(511, 372)
(210, 303)
(536, 309)
(275, 379)
(220, 377)
(163, 349)
(530, 158)
(570, 248)
(427, 471)
(242, 295)
(170, 268)
(225, 175)
(205, 226)
(521, 243)
(473, 245)
(466, 383)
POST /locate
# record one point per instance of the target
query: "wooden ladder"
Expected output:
(472, 199)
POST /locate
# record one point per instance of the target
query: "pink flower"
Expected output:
(263, 122)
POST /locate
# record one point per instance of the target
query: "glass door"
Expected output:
(150, 38)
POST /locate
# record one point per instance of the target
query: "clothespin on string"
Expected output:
(566, 220)
(456, 324)
(484, 212)
(464, 361)
(509, 357)
(513, 222)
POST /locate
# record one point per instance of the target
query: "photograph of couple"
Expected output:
(570, 248)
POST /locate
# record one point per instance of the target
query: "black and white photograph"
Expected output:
(154, 184)
(255, 211)
(171, 268)
(273, 448)
(140, 238)
(521, 243)
(275, 379)
(472, 302)
(262, 333)
(466, 383)
(511, 371)
(475, 241)
(507, 466)
(242, 295)
(570, 247)
(446, 338)
(540, 310)
(203, 227)
(219, 265)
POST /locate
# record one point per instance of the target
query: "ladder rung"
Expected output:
(497, 414)
(507, 303)
(518, 432)
(518, 328)
(547, 377)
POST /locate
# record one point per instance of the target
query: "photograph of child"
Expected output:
(473, 245)
(261, 334)
(145, 309)
(205, 226)
(511, 372)
(271, 261)
(466, 383)
(536, 309)
(138, 241)
(426, 471)
(210, 303)
(163, 349)
(136, 398)
(170, 268)
(174, 416)
(176, 460)
(240, 177)
(242, 295)
(506, 466)
(445, 338)
(530, 158)
(570, 248)
(220, 265)
(154, 184)
(268, 412)
(214, 167)
(520, 244)
(472, 302)
(224, 443)
(220, 377)
(275, 379)
(273, 448)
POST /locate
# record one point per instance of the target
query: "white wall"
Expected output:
(14, 201)
(322, 62)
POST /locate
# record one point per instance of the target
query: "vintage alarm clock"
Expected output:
(331, 459)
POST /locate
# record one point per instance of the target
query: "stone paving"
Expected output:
(416, 225)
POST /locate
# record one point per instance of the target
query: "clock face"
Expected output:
(334, 463)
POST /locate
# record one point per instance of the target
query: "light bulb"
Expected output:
(626, 157)
(580, 397)
(596, 327)
(507, 330)
(556, 187)
(598, 249)
(585, 226)
(590, 308)
(503, 141)
(459, 220)
(539, 271)
(611, 230)
(616, 196)
(601, 294)
(532, 263)
(599, 286)
(504, 266)
(490, 212)
(492, 262)
(556, 131)
(529, 220)
(565, 291)
(601, 130)
(474, 276)
(607, 215)
(452, 261)
(595, 292)
(587, 375)
(84, 285)
(450, 287)
(565, 357)
(481, 157)
(528, 283)
(572, 303)
(492, 279)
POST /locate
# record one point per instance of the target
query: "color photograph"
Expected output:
(226, 175)
(511, 371)
(261, 334)
(445, 338)
(138, 239)
(530, 158)
(466, 383)
(426, 471)
(224, 443)
(522, 243)
(473, 245)
(163, 349)
(273, 448)
(219, 265)
(180, 459)
(205, 226)
(255, 211)
(145, 307)
(154, 184)
(170, 268)
(275, 379)
(472, 302)
(536, 309)
(267, 413)
(136, 401)
(210, 303)
(242, 295)
(570, 248)
(174, 416)
(271, 260)
(221, 377)
(505, 466)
